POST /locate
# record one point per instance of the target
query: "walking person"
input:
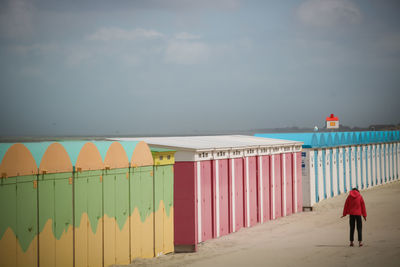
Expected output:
(355, 207)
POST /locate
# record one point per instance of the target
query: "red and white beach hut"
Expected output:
(224, 183)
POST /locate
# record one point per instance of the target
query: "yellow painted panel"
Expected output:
(147, 237)
(47, 244)
(159, 230)
(81, 242)
(135, 234)
(28, 258)
(8, 249)
(169, 231)
(109, 240)
(122, 244)
(95, 242)
(164, 158)
(64, 249)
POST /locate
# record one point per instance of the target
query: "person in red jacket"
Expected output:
(355, 207)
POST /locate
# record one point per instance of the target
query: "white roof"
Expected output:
(218, 142)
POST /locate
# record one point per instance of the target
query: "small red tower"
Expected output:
(332, 122)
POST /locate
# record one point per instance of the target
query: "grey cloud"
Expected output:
(16, 19)
(329, 13)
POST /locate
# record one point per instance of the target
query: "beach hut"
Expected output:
(220, 184)
(333, 163)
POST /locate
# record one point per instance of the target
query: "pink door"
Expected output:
(299, 192)
(223, 197)
(265, 188)
(239, 194)
(277, 186)
(206, 200)
(289, 180)
(252, 165)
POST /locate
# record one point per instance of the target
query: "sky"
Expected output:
(101, 67)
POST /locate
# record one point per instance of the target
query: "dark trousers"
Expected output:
(353, 220)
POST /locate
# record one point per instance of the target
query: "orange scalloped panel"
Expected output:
(55, 160)
(89, 158)
(142, 155)
(18, 161)
(116, 157)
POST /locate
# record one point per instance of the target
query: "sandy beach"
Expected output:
(317, 238)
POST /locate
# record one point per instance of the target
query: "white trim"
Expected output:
(387, 159)
(321, 195)
(294, 170)
(233, 196)
(199, 230)
(359, 170)
(364, 174)
(273, 185)
(334, 172)
(348, 166)
(284, 184)
(341, 171)
(247, 193)
(261, 190)
(217, 194)
(373, 165)
(328, 177)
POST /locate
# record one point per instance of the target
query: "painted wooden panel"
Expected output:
(364, 166)
(159, 205)
(221, 197)
(328, 174)
(163, 223)
(334, 168)
(276, 186)
(321, 176)
(287, 196)
(347, 163)
(185, 204)
(359, 167)
(373, 165)
(239, 194)
(116, 224)
(206, 200)
(55, 219)
(168, 209)
(141, 209)
(265, 200)
(378, 164)
(253, 205)
(299, 178)
(8, 223)
(341, 172)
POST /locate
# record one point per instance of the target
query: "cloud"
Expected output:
(187, 53)
(16, 19)
(329, 13)
(189, 4)
(112, 34)
(390, 43)
(186, 36)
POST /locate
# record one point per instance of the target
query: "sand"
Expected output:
(317, 238)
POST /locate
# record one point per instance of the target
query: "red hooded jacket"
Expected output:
(354, 204)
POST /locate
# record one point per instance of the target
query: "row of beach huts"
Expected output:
(99, 203)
